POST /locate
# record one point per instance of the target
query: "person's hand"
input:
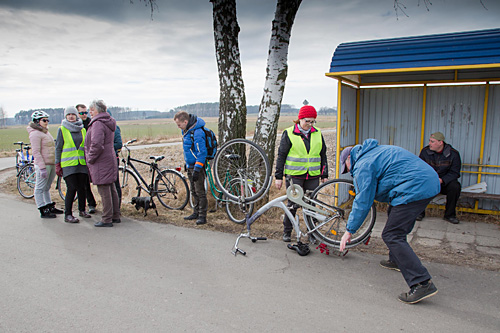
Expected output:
(43, 173)
(278, 183)
(440, 181)
(324, 180)
(59, 171)
(196, 175)
(346, 238)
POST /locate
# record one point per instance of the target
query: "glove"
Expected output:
(59, 171)
(43, 173)
(196, 175)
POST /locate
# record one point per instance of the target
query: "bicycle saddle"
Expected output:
(156, 158)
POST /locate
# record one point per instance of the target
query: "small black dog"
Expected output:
(144, 202)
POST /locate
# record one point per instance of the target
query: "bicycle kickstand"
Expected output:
(237, 250)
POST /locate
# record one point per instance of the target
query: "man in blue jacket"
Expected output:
(394, 175)
(195, 155)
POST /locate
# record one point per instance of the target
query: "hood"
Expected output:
(105, 119)
(358, 150)
(194, 123)
(35, 127)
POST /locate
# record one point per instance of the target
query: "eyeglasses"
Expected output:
(312, 122)
(44, 120)
(82, 113)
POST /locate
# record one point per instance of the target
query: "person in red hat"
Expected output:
(301, 159)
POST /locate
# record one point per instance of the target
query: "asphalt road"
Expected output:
(148, 277)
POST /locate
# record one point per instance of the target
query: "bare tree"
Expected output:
(276, 73)
(232, 100)
(2, 117)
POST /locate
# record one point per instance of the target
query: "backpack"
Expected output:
(210, 142)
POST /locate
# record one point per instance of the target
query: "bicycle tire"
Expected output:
(17, 162)
(235, 211)
(242, 159)
(129, 184)
(26, 180)
(61, 188)
(171, 189)
(339, 194)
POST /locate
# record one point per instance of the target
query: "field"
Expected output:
(145, 131)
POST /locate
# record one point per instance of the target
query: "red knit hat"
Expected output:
(307, 111)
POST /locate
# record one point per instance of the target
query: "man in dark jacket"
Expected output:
(195, 155)
(445, 160)
(84, 116)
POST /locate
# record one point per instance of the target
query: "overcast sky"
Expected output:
(55, 53)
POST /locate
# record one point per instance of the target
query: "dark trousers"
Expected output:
(400, 222)
(306, 184)
(117, 184)
(89, 195)
(110, 203)
(452, 191)
(198, 193)
(75, 183)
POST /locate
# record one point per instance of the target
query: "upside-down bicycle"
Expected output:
(325, 210)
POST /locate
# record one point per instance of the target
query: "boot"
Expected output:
(201, 220)
(45, 213)
(53, 209)
(193, 216)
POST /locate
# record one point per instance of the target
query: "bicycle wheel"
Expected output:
(172, 189)
(242, 159)
(62, 189)
(339, 195)
(237, 212)
(129, 184)
(26, 180)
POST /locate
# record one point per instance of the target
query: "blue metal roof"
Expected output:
(449, 50)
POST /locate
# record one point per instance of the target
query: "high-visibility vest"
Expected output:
(72, 156)
(299, 161)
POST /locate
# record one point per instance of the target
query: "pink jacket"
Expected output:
(99, 152)
(43, 147)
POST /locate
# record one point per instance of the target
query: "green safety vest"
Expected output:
(72, 156)
(299, 161)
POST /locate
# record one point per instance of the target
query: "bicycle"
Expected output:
(23, 159)
(235, 211)
(169, 185)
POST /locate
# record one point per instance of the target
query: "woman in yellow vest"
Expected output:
(301, 158)
(70, 162)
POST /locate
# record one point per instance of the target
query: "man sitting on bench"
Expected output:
(446, 161)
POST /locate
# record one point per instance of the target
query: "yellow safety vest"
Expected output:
(299, 161)
(72, 156)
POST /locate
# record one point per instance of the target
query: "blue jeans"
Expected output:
(42, 185)
(400, 222)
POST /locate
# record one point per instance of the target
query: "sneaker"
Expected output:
(452, 219)
(91, 210)
(84, 214)
(418, 293)
(389, 265)
(287, 237)
(193, 216)
(70, 219)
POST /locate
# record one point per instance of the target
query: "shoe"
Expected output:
(193, 216)
(420, 217)
(201, 220)
(418, 293)
(116, 220)
(287, 237)
(71, 219)
(45, 213)
(83, 213)
(452, 219)
(389, 265)
(102, 224)
(91, 210)
(53, 209)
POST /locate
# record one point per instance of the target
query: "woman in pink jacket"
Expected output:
(43, 149)
(101, 161)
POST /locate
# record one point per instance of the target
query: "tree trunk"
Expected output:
(232, 100)
(277, 71)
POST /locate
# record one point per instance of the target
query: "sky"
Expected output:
(55, 53)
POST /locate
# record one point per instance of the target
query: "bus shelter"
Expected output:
(401, 90)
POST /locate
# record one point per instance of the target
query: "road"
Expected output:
(149, 277)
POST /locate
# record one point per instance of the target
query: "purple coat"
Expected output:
(99, 152)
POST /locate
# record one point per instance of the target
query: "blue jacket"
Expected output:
(194, 155)
(387, 174)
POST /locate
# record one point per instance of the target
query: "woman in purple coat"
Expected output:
(101, 161)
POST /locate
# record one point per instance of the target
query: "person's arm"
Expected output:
(59, 145)
(36, 149)
(283, 150)
(454, 171)
(200, 149)
(96, 143)
(118, 144)
(324, 160)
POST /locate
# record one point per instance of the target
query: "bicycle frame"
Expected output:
(23, 158)
(219, 197)
(149, 188)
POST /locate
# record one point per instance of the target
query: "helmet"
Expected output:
(39, 115)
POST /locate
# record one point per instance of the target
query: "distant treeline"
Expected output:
(124, 113)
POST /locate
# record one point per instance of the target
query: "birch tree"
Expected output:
(232, 100)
